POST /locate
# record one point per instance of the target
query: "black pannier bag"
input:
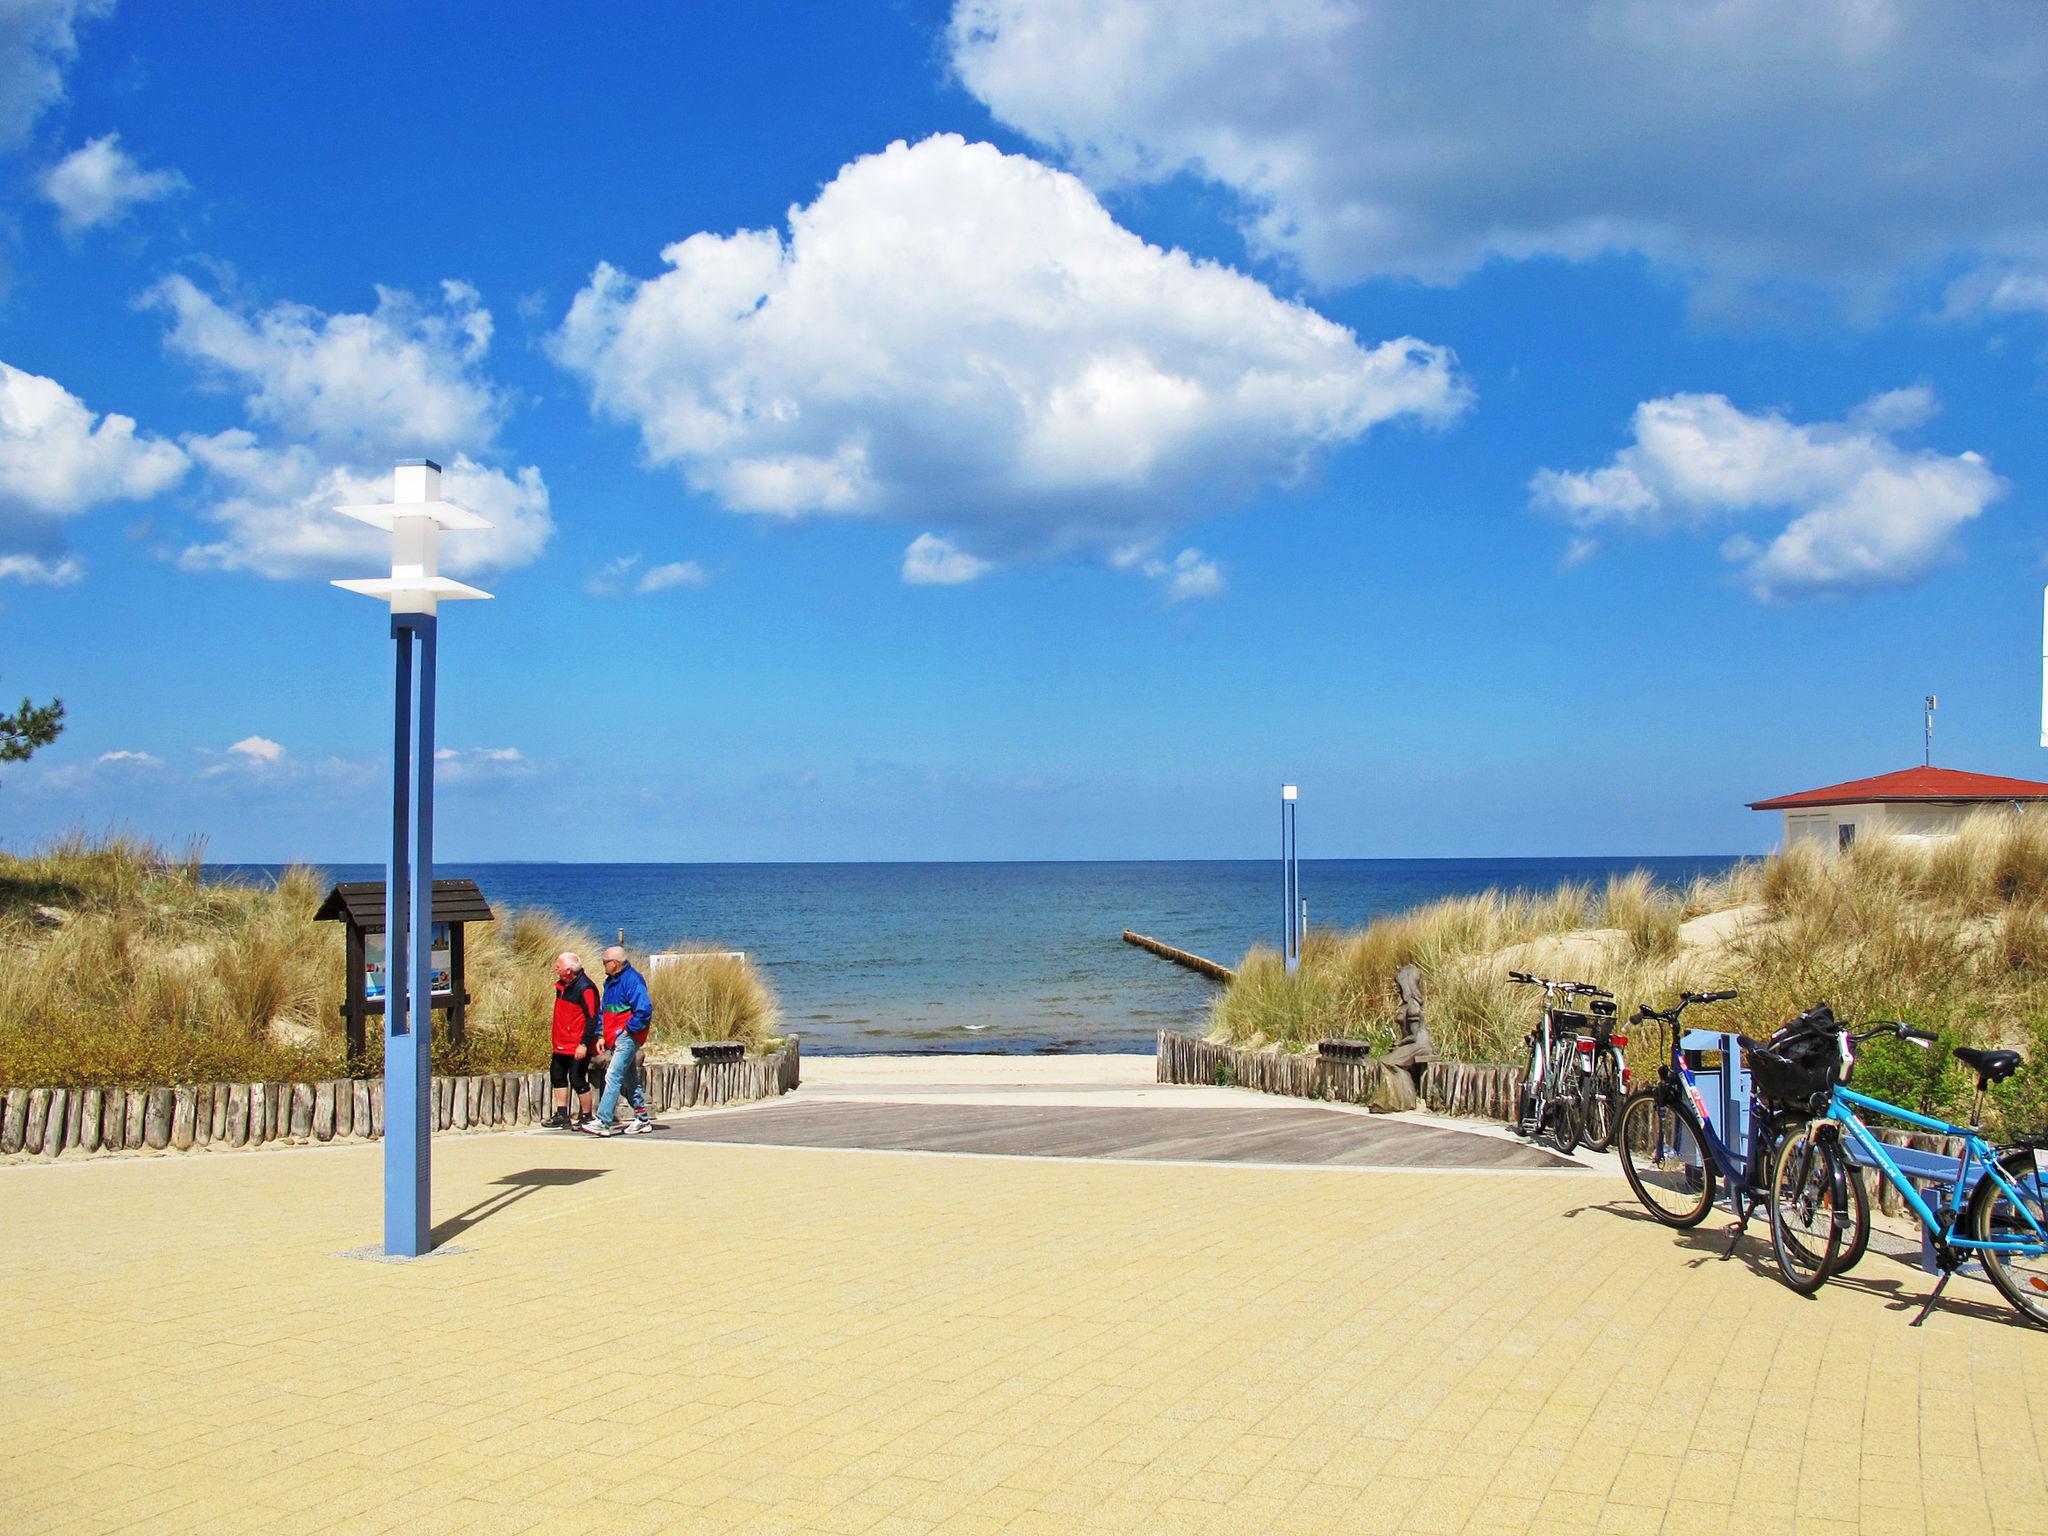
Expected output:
(1801, 1064)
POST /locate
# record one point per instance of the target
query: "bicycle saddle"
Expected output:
(1990, 1066)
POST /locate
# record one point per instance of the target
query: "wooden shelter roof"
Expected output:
(362, 903)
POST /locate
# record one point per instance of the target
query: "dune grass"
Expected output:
(142, 969)
(1951, 936)
(709, 994)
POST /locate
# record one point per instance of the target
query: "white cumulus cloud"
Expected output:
(32, 571)
(467, 765)
(2009, 288)
(340, 396)
(98, 183)
(947, 326)
(259, 749)
(38, 41)
(400, 381)
(131, 759)
(1188, 574)
(1867, 510)
(931, 561)
(274, 508)
(615, 577)
(59, 458)
(676, 573)
(1840, 140)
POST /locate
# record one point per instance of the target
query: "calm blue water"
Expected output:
(992, 957)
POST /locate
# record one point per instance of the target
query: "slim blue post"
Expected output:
(408, 1090)
(1290, 888)
(420, 962)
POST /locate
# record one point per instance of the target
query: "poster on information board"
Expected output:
(438, 964)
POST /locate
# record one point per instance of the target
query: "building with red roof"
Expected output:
(1914, 802)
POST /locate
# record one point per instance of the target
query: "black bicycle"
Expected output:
(1603, 1076)
(1551, 1095)
(1674, 1156)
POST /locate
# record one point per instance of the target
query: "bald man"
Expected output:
(628, 1010)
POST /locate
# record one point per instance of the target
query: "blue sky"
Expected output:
(1051, 425)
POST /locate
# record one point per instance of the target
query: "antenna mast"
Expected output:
(1927, 757)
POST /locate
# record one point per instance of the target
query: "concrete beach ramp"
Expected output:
(1090, 1107)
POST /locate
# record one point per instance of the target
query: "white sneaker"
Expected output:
(594, 1128)
(639, 1125)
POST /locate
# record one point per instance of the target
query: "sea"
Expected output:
(1002, 957)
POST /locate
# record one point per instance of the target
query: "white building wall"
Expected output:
(1920, 820)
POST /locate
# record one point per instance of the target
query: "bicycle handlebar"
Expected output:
(1899, 1027)
(1575, 988)
(1644, 1012)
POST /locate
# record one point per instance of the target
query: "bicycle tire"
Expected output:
(1525, 1121)
(1564, 1123)
(1808, 1198)
(1859, 1219)
(1653, 1160)
(1857, 1241)
(1600, 1106)
(1561, 1102)
(2022, 1279)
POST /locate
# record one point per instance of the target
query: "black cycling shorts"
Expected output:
(569, 1071)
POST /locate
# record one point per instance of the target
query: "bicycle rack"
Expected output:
(1932, 1174)
(1723, 1088)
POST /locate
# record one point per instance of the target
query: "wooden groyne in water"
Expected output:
(1193, 962)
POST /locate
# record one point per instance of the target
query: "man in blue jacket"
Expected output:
(628, 1011)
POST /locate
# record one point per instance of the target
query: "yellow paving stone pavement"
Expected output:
(649, 1336)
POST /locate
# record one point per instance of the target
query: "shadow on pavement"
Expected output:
(513, 1188)
(1898, 1295)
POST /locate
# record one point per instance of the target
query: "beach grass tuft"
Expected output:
(707, 994)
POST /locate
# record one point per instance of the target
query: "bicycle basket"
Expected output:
(1802, 1063)
(1782, 1083)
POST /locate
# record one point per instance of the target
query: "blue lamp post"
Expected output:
(1290, 880)
(414, 519)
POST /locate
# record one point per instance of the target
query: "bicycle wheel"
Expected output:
(1524, 1123)
(1561, 1100)
(1600, 1105)
(1564, 1122)
(1663, 1159)
(1994, 1216)
(1809, 1208)
(1856, 1242)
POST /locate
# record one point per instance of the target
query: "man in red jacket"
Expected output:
(575, 1037)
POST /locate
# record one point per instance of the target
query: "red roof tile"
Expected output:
(1912, 784)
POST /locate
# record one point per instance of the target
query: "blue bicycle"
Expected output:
(1989, 1205)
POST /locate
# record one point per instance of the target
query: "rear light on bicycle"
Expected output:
(1586, 1047)
(1627, 1076)
(1619, 1039)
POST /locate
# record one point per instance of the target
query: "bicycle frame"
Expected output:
(1842, 1104)
(1735, 1171)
